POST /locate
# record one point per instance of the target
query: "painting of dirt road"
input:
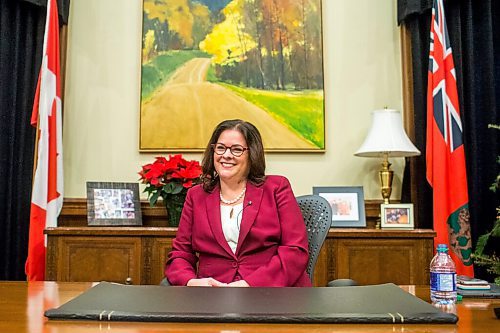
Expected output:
(204, 61)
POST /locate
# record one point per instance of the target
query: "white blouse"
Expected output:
(231, 223)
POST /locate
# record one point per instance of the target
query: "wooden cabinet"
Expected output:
(137, 255)
(372, 256)
(159, 252)
(103, 258)
(117, 254)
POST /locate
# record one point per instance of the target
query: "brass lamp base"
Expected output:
(386, 175)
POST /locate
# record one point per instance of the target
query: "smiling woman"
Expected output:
(239, 228)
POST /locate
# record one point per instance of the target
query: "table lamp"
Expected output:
(387, 138)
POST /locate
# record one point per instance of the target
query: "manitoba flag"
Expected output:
(47, 195)
(445, 149)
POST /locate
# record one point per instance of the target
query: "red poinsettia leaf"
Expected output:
(191, 172)
(146, 167)
(176, 159)
(154, 172)
(183, 163)
(160, 159)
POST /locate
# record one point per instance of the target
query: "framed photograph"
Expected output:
(113, 204)
(348, 205)
(397, 216)
(204, 61)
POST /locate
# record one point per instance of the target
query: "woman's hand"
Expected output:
(205, 282)
(240, 283)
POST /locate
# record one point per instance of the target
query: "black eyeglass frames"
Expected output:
(220, 149)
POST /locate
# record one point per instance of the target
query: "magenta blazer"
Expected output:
(272, 247)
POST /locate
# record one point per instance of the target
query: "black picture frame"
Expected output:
(113, 204)
(347, 203)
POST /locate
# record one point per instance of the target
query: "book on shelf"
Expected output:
(466, 280)
(473, 286)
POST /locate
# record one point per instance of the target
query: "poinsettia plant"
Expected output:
(169, 178)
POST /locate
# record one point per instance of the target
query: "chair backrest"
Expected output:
(317, 215)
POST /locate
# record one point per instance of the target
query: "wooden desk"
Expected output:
(22, 306)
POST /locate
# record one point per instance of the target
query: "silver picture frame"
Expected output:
(113, 204)
(347, 203)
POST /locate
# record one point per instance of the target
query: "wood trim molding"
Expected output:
(409, 110)
(407, 70)
(74, 213)
(63, 52)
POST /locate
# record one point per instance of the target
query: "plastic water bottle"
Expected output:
(443, 277)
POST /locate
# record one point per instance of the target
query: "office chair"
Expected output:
(317, 215)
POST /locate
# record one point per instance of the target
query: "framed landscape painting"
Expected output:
(205, 61)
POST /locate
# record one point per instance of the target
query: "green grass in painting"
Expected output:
(157, 71)
(211, 76)
(302, 111)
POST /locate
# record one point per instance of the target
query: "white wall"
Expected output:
(101, 110)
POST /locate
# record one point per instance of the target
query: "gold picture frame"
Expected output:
(397, 216)
(208, 61)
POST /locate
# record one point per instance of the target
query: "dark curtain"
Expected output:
(474, 31)
(22, 25)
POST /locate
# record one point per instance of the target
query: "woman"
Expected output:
(240, 227)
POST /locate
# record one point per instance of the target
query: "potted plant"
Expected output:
(481, 258)
(170, 179)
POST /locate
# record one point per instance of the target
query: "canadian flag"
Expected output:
(47, 195)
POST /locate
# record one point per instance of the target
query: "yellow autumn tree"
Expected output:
(176, 14)
(228, 42)
(149, 42)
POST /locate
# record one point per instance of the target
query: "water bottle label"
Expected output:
(443, 281)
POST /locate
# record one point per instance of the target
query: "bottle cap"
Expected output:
(442, 248)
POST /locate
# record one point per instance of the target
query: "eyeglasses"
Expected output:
(236, 150)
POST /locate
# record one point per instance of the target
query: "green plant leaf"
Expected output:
(495, 232)
(481, 243)
(169, 188)
(154, 198)
(177, 189)
(149, 189)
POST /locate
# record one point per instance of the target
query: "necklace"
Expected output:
(230, 202)
(233, 211)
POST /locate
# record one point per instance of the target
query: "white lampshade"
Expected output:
(387, 136)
